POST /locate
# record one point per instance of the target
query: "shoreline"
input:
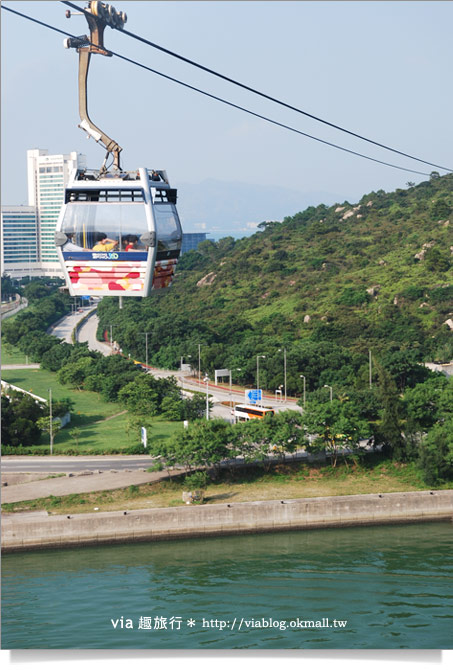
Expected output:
(36, 531)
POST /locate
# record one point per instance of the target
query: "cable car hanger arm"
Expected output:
(98, 17)
(86, 124)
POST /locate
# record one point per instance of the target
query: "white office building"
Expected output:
(47, 178)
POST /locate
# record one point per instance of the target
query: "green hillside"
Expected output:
(328, 284)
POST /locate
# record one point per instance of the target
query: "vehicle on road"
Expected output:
(247, 412)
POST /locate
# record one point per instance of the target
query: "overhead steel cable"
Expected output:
(264, 95)
(214, 97)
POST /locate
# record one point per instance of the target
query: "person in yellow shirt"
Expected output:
(103, 243)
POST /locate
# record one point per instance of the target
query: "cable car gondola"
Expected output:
(118, 232)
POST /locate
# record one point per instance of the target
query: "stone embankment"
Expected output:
(26, 532)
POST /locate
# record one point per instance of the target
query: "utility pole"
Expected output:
(146, 348)
(258, 371)
(111, 333)
(231, 390)
(50, 422)
(284, 360)
(284, 369)
(206, 379)
(303, 376)
(370, 367)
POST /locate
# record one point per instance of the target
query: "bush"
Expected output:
(353, 297)
(198, 480)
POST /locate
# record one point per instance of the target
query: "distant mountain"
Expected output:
(233, 208)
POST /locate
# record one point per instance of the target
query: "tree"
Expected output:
(9, 287)
(440, 209)
(36, 290)
(389, 430)
(134, 424)
(285, 432)
(172, 408)
(250, 441)
(404, 367)
(73, 374)
(195, 407)
(427, 403)
(436, 454)
(75, 433)
(20, 413)
(46, 426)
(436, 260)
(336, 425)
(201, 444)
(140, 397)
(56, 356)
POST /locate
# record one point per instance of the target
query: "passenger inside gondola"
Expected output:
(103, 243)
(130, 243)
(70, 244)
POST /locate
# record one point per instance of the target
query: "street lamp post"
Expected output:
(206, 379)
(284, 368)
(303, 377)
(182, 376)
(50, 422)
(199, 364)
(258, 371)
(111, 333)
(146, 347)
(231, 390)
(329, 387)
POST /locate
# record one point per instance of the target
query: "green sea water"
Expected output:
(386, 587)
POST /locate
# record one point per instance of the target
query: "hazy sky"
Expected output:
(381, 69)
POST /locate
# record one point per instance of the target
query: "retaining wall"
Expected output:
(21, 533)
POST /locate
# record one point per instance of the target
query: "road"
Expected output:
(73, 463)
(87, 333)
(218, 394)
(7, 310)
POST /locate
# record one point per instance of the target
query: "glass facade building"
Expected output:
(191, 241)
(19, 238)
(28, 232)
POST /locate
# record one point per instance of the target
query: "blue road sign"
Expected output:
(254, 396)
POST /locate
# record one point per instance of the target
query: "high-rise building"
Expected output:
(47, 178)
(19, 240)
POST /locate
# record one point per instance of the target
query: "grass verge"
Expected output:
(104, 429)
(13, 356)
(244, 485)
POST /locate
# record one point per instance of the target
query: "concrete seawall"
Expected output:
(28, 532)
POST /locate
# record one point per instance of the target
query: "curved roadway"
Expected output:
(87, 333)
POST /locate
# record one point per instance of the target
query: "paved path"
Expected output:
(21, 366)
(66, 464)
(63, 486)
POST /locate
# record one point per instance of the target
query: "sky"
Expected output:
(380, 69)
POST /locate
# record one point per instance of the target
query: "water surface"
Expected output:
(390, 586)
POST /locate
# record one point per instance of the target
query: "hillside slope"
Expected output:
(328, 284)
